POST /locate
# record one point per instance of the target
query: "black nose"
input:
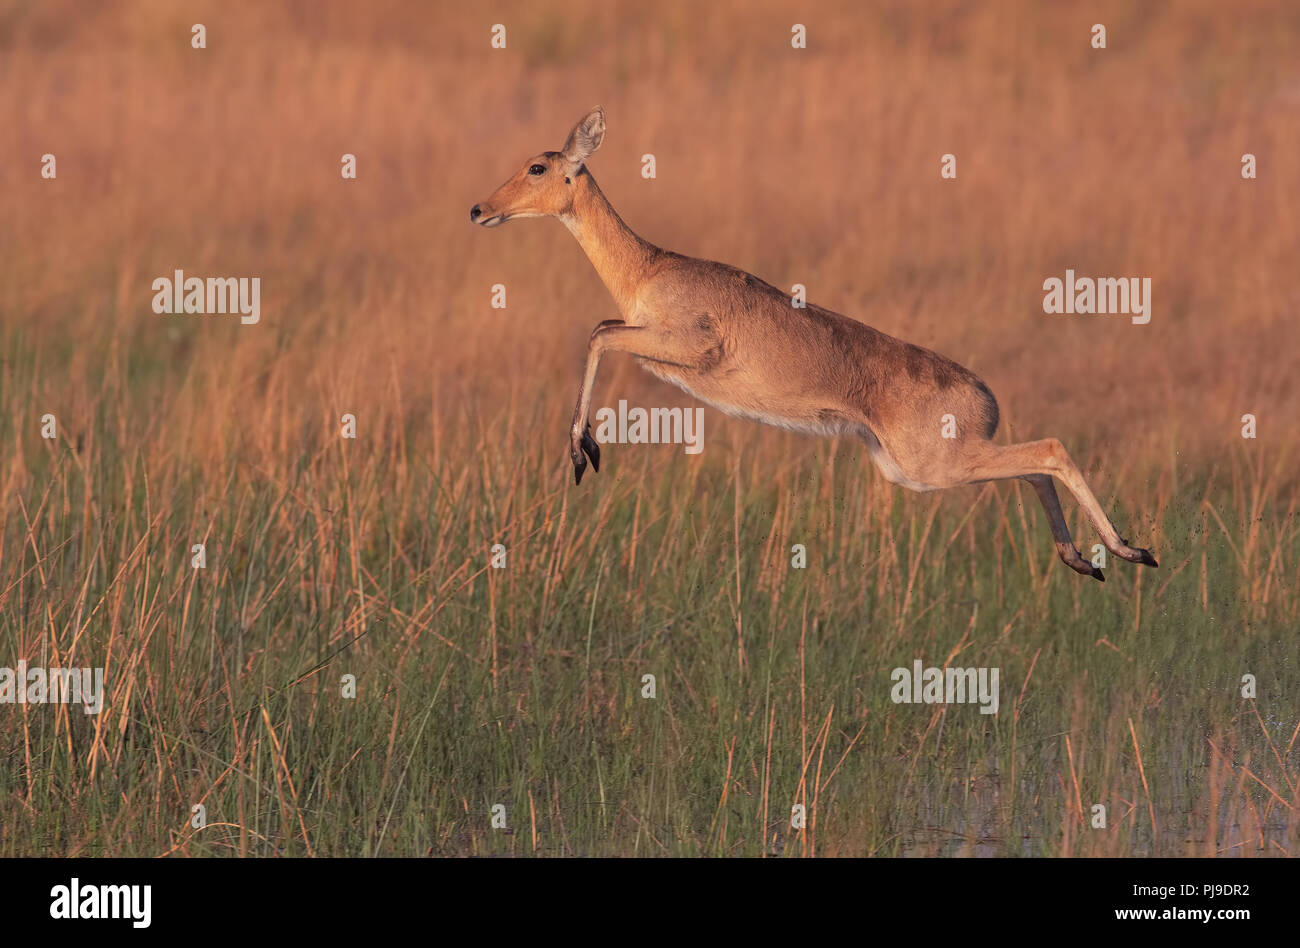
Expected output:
(475, 213)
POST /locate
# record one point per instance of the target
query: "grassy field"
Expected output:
(522, 686)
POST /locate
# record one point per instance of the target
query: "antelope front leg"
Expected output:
(580, 440)
(645, 342)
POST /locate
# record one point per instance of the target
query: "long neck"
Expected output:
(621, 258)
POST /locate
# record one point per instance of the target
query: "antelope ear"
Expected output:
(585, 137)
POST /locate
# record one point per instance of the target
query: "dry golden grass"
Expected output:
(817, 166)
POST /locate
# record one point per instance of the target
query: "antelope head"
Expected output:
(543, 186)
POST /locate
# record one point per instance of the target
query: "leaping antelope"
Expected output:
(737, 343)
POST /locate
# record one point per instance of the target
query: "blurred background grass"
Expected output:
(521, 686)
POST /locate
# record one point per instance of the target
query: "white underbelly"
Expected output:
(828, 428)
(889, 467)
(764, 415)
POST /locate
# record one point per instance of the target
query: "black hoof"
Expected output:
(591, 449)
(1097, 575)
(579, 468)
(1147, 559)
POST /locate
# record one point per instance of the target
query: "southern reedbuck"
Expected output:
(737, 343)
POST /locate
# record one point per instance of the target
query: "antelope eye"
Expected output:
(537, 169)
